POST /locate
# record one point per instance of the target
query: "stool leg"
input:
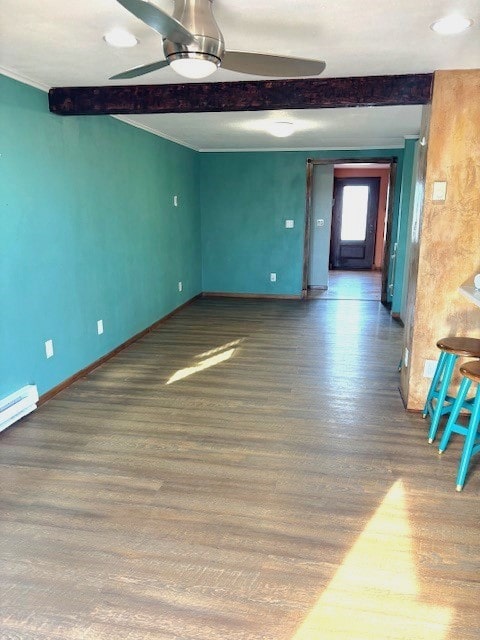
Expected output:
(450, 360)
(452, 419)
(469, 442)
(436, 377)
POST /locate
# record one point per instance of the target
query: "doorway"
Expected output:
(354, 222)
(351, 249)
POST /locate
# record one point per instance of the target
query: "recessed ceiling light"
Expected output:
(120, 38)
(281, 128)
(451, 24)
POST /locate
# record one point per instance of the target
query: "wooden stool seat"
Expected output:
(465, 347)
(471, 370)
(471, 374)
(452, 348)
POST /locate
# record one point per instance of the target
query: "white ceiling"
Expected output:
(375, 127)
(59, 43)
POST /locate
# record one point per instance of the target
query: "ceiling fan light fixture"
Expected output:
(194, 66)
(281, 128)
(194, 45)
(120, 38)
(452, 24)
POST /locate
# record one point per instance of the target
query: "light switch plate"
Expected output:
(439, 191)
(99, 327)
(49, 348)
(289, 224)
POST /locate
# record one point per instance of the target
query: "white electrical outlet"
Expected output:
(49, 348)
(273, 277)
(175, 201)
(320, 222)
(429, 368)
(289, 224)
(99, 327)
(180, 286)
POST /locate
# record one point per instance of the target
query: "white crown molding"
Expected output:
(309, 149)
(23, 79)
(145, 127)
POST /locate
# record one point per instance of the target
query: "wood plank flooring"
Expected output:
(350, 285)
(275, 489)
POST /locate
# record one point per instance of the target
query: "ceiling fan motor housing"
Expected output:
(197, 17)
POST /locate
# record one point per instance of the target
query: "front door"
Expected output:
(354, 222)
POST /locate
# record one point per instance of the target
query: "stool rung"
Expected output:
(449, 402)
(459, 428)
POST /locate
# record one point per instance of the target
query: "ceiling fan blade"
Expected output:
(158, 20)
(260, 64)
(140, 71)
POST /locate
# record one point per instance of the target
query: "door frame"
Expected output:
(311, 162)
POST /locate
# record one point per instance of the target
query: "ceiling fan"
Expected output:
(194, 46)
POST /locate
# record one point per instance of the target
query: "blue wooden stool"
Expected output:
(451, 349)
(471, 446)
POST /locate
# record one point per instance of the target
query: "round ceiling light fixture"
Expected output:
(281, 128)
(450, 25)
(193, 66)
(120, 38)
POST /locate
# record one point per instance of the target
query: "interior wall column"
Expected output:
(445, 249)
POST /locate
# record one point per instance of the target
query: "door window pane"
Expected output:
(354, 213)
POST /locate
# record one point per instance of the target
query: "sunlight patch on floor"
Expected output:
(375, 594)
(228, 345)
(201, 366)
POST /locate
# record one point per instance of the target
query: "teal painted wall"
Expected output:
(402, 225)
(87, 232)
(245, 200)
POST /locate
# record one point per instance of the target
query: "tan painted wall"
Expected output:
(449, 249)
(384, 175)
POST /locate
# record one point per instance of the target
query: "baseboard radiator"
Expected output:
(17, 405)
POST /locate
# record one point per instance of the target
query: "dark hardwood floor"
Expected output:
(245, 472)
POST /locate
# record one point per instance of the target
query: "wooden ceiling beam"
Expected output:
(368, 91)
